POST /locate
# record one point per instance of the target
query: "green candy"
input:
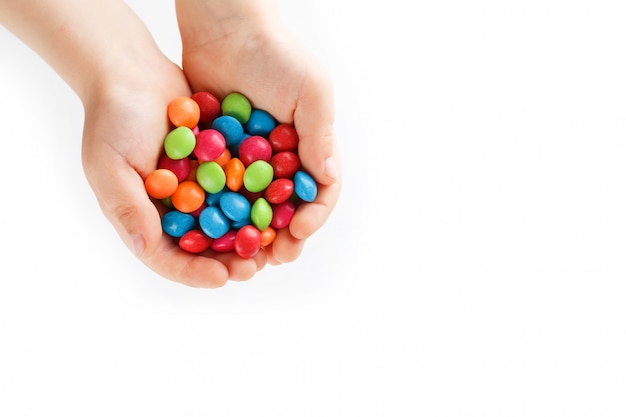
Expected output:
(258, 176)
(261, 214)
(179, 143)
(238, 106)
(211, 177)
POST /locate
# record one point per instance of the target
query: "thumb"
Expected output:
(314, 119)
(122, 197)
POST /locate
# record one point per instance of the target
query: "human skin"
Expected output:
(242, 45)
(108, 57)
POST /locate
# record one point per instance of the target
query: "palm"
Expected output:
(122, 140)
(273, 72)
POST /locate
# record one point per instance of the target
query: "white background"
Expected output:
(474, 266)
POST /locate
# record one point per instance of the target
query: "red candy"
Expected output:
(283, 138)
(238, 162)
(210, 144)
(285, 164)
(180, 167)
(247, 241)
(283, 213)
(194, 241)
(210, 107)
(255, 148)
(225, 243)
(279, 191)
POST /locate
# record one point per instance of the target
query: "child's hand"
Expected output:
(125, 124)
(242, 47)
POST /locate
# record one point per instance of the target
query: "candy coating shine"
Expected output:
(229, 176)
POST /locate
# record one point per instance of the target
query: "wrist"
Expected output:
(205, 23)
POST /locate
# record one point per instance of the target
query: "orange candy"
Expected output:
(234, 171)
(267, 236)
(183, 111)
(223, 159)
(161, 183)
(188, 197)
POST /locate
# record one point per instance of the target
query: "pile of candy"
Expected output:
(230, 175)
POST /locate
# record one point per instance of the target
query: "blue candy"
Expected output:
(235, 206)
(305, 186)
(213, 199)
(176, 223)
(213, 222)
(260, 123)
(231, 129)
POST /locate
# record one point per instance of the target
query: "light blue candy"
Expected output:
(213, 199)
(305, 186)
(213, 222)
(238, 225)
(230, 128)
(235, 206)
(260, 123)
(176, 223)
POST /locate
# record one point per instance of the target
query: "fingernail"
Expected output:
(139, 244)
(330, 168)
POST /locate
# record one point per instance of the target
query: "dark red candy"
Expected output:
(180, 167)
(247, 241)
(283, 213)
(285, 164)
(283, 138)
(210, 107)
(194, 241)
(225, 243)
(279, 191)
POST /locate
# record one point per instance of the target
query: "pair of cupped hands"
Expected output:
(125, 124)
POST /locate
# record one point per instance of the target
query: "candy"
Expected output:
(283, 213)
(213, 222)
(305, 186)
(176, 223)
(237, 106)
(180, 167)
(210, 144)
(235, 206)
(209, 105)
(230, 180)
(261, 214)
(247, 241)
(258, 176)
(223, 159)
(188, 197)
(183, 111)
(279, 190)
(284, 138)
(231, 128)
(194, 241)
(179, 143)
(260, 123)
(213, 199)
(225, 243)
(267, 236)
(234, 171)
(161, 183)
(285, 164)
(254, 148)
(211, 177)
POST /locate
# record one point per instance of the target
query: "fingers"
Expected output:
(121, 193)
(285, 248)
(314, 118)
